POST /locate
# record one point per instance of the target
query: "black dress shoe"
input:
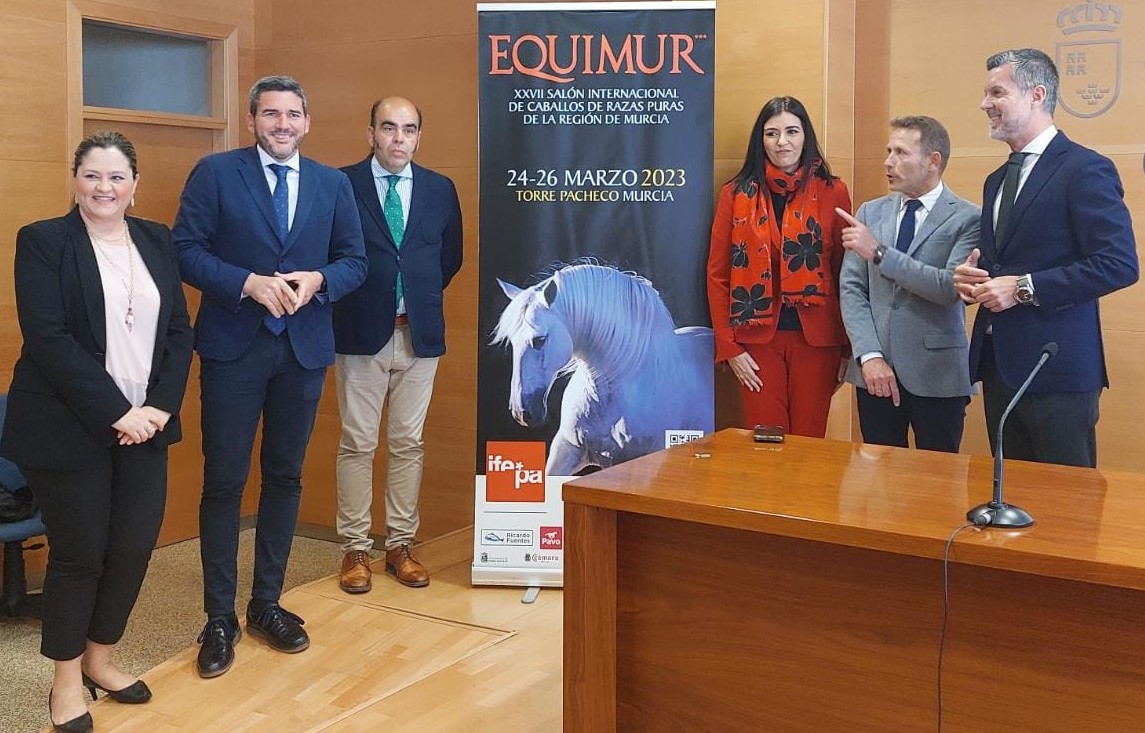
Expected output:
(134, 694)
(82, 724)
(218, 651)
(281, 628)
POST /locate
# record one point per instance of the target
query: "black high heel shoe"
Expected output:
(134, 694)
(82, 724)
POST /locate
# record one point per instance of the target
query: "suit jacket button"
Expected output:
(996, 268)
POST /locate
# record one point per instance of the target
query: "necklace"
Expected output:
(128, 278)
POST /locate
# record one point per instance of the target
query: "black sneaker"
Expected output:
(218, 640)
(281, 628)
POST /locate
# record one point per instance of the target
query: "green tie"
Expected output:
(392, 208)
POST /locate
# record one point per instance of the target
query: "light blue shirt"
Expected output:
(404, 184)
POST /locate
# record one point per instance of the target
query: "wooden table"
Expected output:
(732, 586)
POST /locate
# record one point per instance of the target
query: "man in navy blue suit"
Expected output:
(1055, 237)
(389, 335)
(271, 239)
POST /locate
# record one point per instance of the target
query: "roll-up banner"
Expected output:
(596, 134)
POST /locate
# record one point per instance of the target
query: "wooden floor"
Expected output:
(448, 657)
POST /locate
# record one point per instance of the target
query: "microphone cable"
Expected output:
(946, 607)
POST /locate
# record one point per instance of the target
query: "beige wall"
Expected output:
(854, 63)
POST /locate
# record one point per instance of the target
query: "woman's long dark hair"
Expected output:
(752, 171)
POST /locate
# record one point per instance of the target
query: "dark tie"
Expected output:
(282, 215)
(906, 228)
(392, 208)
(281, 200)
(1009, 193)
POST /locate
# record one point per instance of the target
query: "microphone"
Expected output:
(996, 512)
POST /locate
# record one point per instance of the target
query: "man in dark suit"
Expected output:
(905, 322)
(271, 239)
(1055, 237)
(388, 336)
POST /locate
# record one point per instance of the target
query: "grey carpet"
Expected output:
(166, 620)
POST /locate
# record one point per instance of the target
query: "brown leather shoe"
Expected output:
(355, 577)
(408, 571)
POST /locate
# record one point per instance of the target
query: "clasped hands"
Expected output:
(283, 292)
(140, 424)
(974, 285)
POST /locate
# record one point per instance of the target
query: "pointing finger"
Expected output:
(847, 217)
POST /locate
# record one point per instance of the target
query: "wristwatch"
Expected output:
(1025, 291)
(880, 252)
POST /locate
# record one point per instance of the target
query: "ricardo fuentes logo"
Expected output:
(514, 471)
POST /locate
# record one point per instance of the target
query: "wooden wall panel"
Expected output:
(438, 74)
(31, 75)
(345, 65)
(301, 23)
(451, 428)
(343, 74)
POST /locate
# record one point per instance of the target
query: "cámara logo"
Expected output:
(559, 58)
(514, 471)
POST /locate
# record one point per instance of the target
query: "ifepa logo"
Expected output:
(514, 471)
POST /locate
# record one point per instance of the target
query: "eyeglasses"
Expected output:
(389, 129)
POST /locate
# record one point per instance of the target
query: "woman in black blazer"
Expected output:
(93, 405)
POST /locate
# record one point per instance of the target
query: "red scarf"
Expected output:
(764, 250)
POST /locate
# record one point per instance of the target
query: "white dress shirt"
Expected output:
(291, 178)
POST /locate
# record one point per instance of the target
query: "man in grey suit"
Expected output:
(906, 323)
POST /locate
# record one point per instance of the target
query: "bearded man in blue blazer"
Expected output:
(389, 335)
(1055, 237)
(271, 239)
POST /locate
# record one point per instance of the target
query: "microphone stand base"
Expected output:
(999, 514)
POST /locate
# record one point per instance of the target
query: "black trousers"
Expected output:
(102, 524)
(937, 421)
(1056, 427)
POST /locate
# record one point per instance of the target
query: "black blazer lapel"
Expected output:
(254, 178)
(362, 179)
(91, 285)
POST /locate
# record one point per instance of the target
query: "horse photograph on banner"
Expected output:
(633, 377)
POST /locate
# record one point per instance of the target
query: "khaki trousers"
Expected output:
(365, 384)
